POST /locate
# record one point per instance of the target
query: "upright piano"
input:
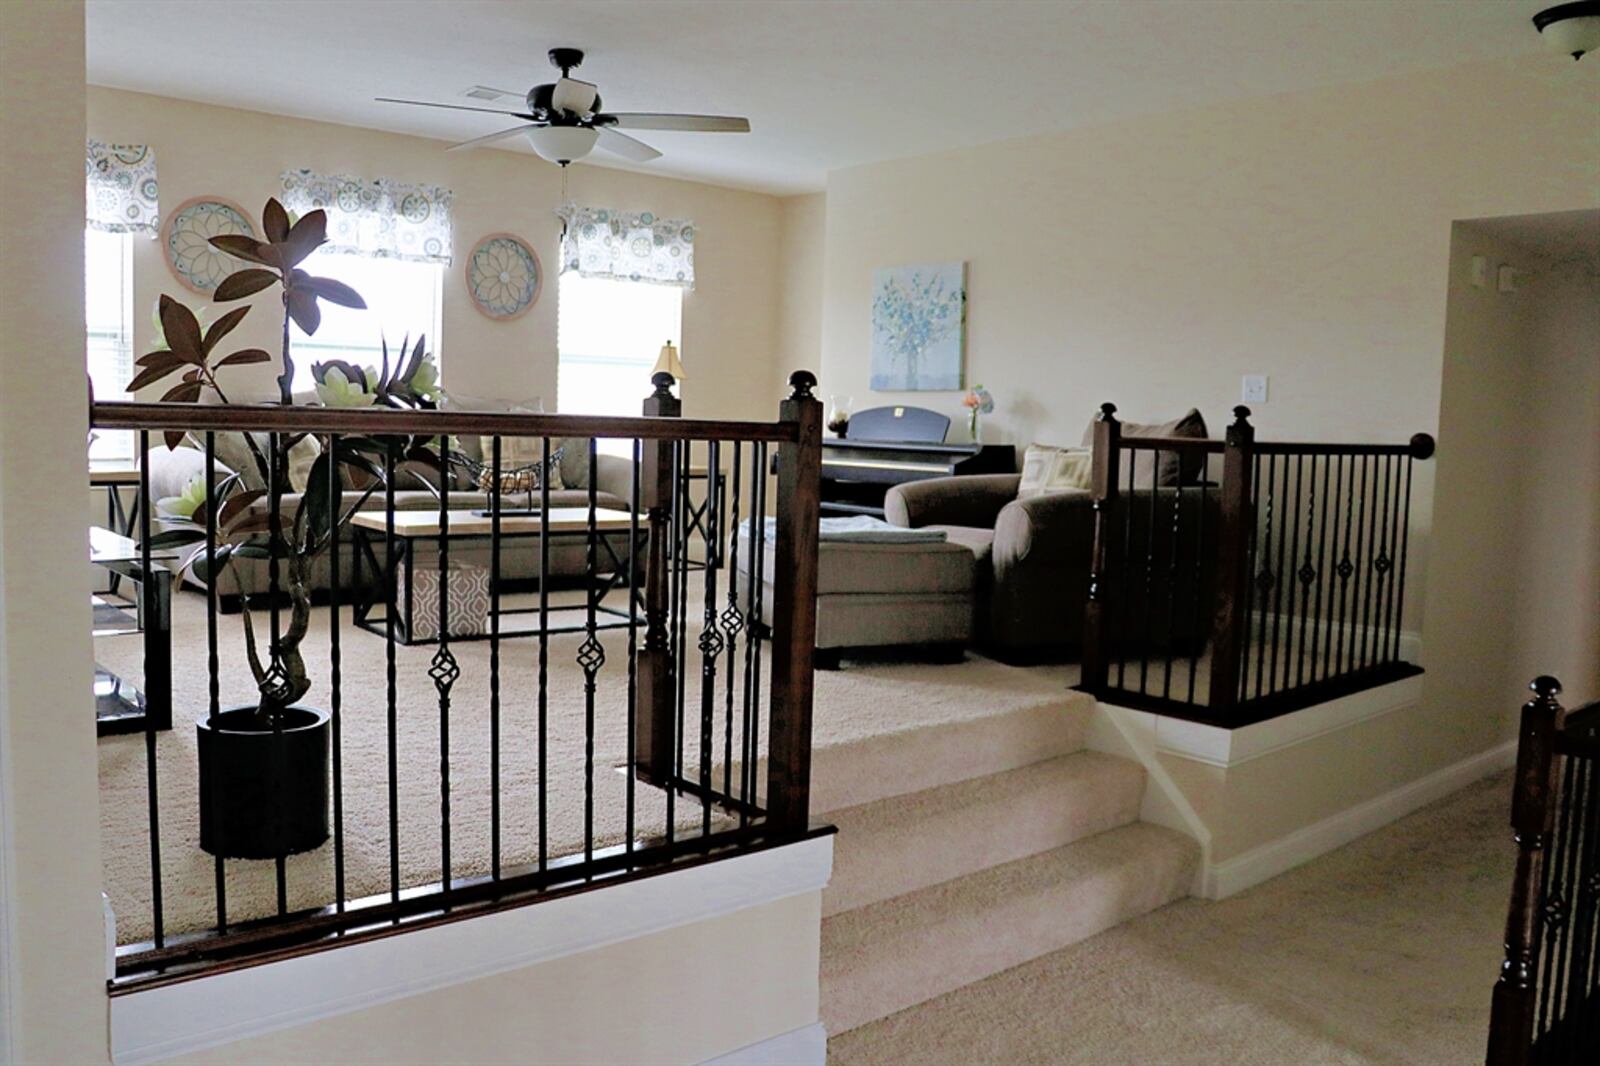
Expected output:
(885, 446)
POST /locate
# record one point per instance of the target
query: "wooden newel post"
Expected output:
(654, 713)
(794, 609)
(1097, 613)
(1511, 1016)
(1231, 623)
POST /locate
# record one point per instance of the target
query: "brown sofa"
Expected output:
(1033, 558)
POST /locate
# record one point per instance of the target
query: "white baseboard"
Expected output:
(1221, 880)
(207, 1012)
(806, 1046)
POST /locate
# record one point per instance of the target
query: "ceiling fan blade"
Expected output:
(575, 96)
(454, 107)
(492, 137)
(626, 146)
(637, 120)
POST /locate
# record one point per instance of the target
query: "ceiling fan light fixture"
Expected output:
(562, 144)
(1571, 29)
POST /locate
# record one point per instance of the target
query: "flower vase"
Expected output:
(972, 426)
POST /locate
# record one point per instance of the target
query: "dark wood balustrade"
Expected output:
(705, 746)
(1235, 580)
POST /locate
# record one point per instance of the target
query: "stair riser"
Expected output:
(918, 963)
(882, 852)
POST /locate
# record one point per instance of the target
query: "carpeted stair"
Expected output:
(968, 849)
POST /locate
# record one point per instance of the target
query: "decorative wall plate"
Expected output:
(186, 236)
(504, 276)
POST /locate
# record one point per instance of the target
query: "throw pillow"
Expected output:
(1188, 465)
(233, 451)
(1046, 468)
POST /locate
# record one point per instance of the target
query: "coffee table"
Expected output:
(415, 529)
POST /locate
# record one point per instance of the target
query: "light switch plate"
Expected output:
(1254, 389)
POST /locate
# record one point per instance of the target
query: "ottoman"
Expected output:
(880, 594)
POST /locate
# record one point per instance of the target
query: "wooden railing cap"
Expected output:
(1422, 447)
(802, 381)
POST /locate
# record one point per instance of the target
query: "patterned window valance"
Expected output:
(121, 194)
(600, 243)
(383, 219)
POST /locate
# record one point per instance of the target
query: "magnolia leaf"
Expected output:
(274, 221)
(333, 291)
(307, 235)
(304, 310)
(242, 283)
(174, 438)
(202, 565)
(222, 327)
(317, 505)
(183, 392)
(254, 522)
(245, 356)
(247, 248)
(174, 538)
(160, 355)
(152, 374)
(237, 505)
(415, 361)
(182, 330)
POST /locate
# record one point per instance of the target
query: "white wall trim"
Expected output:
(210, 1011)
(1223, 879)
(1215, 746)
(806, 1046)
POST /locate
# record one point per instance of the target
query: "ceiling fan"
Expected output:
(564, 122)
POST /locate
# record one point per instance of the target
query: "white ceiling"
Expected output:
(825, 84)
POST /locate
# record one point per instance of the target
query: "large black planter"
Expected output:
(263, 792)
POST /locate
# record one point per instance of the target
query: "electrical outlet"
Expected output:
(1254, 389)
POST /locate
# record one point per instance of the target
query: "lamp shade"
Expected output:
(668, 362)
(1571, 29)
(562, 144)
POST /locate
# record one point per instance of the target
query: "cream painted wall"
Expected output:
(729, 320)
(681, 996)
(52, 945)
(803, 228)
(1305, 236)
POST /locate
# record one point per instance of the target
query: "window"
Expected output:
(108, 319)
(402, 298)
(609, 334)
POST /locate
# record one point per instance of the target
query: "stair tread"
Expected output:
(895, 953)
(897, 845)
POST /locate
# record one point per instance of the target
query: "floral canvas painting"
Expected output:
(918, 326)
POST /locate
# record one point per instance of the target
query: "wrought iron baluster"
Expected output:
(732, 624)
(1334, 570)
(1125, 610)
(1392, 548)
(1265, 579)
(632, 560)
(675, 573)
(336, 668)
(1171, 648)
(152, 782)
(1400, 576)
(1286, 550)
(1379, 558)
(276, 676)
(711, 641)
(1149, 573)
(758, 564)
(392, 688)
(544, 656)
(213, 675)
(591, 657)
(1306, 573)
(1347, 566)
(444, 670)
(1199, 633)
(1363, 561)
(1321, 565)
(494, 655)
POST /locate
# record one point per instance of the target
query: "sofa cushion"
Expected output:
(845, 567)
(1191, 426)
(980, 542)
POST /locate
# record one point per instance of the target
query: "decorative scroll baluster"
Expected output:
(1098, 617)
(591, 657)
(444, 670)
(1281, 577)
(1378, 557)
(1148, 636)
(754, 616)
(277, 678)
(1321, 567)
(336, 667)
(1362, 562)
(1306, 573)
(1346, 569)
(680, 600)
(711, 641)
(1266, 579)
(732, 624)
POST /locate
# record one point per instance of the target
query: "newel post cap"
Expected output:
(1241, 415)
(1108, 412)
(1422, 446)
(802, 381)
(663, 382)
(1546, 687)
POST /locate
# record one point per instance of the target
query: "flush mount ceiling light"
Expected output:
(1571, 29)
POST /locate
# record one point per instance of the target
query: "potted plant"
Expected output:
(264, 766)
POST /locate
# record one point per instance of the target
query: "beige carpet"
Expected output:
(868, 718)
(1382, 952)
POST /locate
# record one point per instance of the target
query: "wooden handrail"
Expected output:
(375, 421)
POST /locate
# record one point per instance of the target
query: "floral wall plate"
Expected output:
(185, 240)
(504, 276)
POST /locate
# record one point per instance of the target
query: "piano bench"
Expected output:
(883, 595)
